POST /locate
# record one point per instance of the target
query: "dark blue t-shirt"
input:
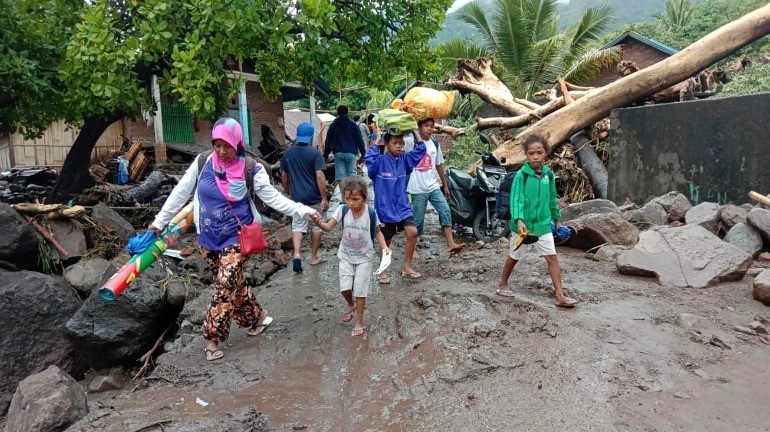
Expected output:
(301, 161)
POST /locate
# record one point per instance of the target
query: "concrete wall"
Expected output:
(713, 150)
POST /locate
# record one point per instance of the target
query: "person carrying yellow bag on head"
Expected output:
(424, 103)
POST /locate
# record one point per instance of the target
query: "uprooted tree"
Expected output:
(193, 46)
(570, 113)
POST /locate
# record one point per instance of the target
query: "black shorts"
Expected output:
(390, 229)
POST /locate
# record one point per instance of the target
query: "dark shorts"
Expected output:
(390, 229)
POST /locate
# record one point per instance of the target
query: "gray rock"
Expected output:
(688, 256)
(18, 242)
(70, 236)
(745, 237)
(675, 204)
(688, 321)
(194, 312)
(176, 292)
(112, 220)
(88, 274)
(35, 309)
(118, 332)
(608, 253)
(651, 214)
(103, 383)
(195, 263)
(705, 214)
(49, 401)
(760, 219)
(258, 277)
(596, 206)
(744, 330)
(758, 327)
(733, 215)
(599, 229)
(762, 287)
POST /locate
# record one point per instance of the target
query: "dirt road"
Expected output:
(446, 353)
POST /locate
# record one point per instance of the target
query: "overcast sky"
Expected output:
(457, 4)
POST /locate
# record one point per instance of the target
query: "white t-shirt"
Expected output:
(424, 178)
(356, 246)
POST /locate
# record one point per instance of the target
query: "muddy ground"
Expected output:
(446, 353)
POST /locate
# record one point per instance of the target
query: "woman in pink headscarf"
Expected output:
(221, 196)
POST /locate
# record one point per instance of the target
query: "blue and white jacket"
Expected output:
(389, 178)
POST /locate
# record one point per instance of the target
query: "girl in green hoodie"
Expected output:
(533, 207)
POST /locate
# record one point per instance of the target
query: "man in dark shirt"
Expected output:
(303, 179)
(344, 139)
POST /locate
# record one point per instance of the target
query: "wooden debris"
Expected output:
(34, 208)
(73, 212)
(47, 235)
(758, 197)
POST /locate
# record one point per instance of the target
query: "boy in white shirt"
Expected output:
(424, 185)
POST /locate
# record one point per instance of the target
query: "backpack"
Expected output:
(503, 195)
(372, 218)
(251, 162)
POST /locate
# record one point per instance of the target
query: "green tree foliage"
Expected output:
(754, 79)
(195, 43)
(529, 51)
(32, 37)
(705, 17)
(678, 13)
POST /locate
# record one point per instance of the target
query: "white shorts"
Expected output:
(544, 247)
(357, 277)
(300, 224)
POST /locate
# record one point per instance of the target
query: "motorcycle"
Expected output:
(472, 200)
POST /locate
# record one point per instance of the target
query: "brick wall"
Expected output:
(641, 54)
(265, 112)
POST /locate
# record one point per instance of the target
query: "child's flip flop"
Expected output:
(347, 314)
(296, 265)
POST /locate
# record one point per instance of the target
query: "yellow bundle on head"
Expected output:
(424, 103)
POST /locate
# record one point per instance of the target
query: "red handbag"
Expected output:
(250, 236)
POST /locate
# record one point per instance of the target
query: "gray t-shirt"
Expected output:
(356, 246)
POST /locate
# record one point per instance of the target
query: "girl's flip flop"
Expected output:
(347, 314)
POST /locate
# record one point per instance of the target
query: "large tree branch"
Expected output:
(476, 76)
(597, 104)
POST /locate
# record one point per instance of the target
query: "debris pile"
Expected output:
(26, 184)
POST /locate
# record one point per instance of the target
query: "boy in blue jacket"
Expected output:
(389, 168)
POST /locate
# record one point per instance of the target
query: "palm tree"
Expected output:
(677, 14)
(529, 51)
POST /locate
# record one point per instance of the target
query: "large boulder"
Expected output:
(760, 219)
(70, 236)
(688, 256)
(732, 215)
(675, 204)
(651, 214)
(112, 220)
(49, 401)
(18, 242)
(596, 206)
(746, 238)
(88, 274)
(705, 214)
(762, 287)
(35, 308)
(118, 332)
(599, 229)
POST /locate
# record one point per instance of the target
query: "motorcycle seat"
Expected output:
(462, 179)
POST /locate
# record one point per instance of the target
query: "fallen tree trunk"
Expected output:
(144, 191)
(591, 163)
(597, 104)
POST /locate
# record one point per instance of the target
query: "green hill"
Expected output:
(625, 12)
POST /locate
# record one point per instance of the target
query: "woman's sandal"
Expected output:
(214, 354)
(567, 303)
(359, 331)
(261, 327)
(347, 314)
(383, 279)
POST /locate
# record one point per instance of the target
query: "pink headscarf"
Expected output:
(229, 176)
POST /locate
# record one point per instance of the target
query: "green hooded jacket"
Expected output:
(534, 200)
